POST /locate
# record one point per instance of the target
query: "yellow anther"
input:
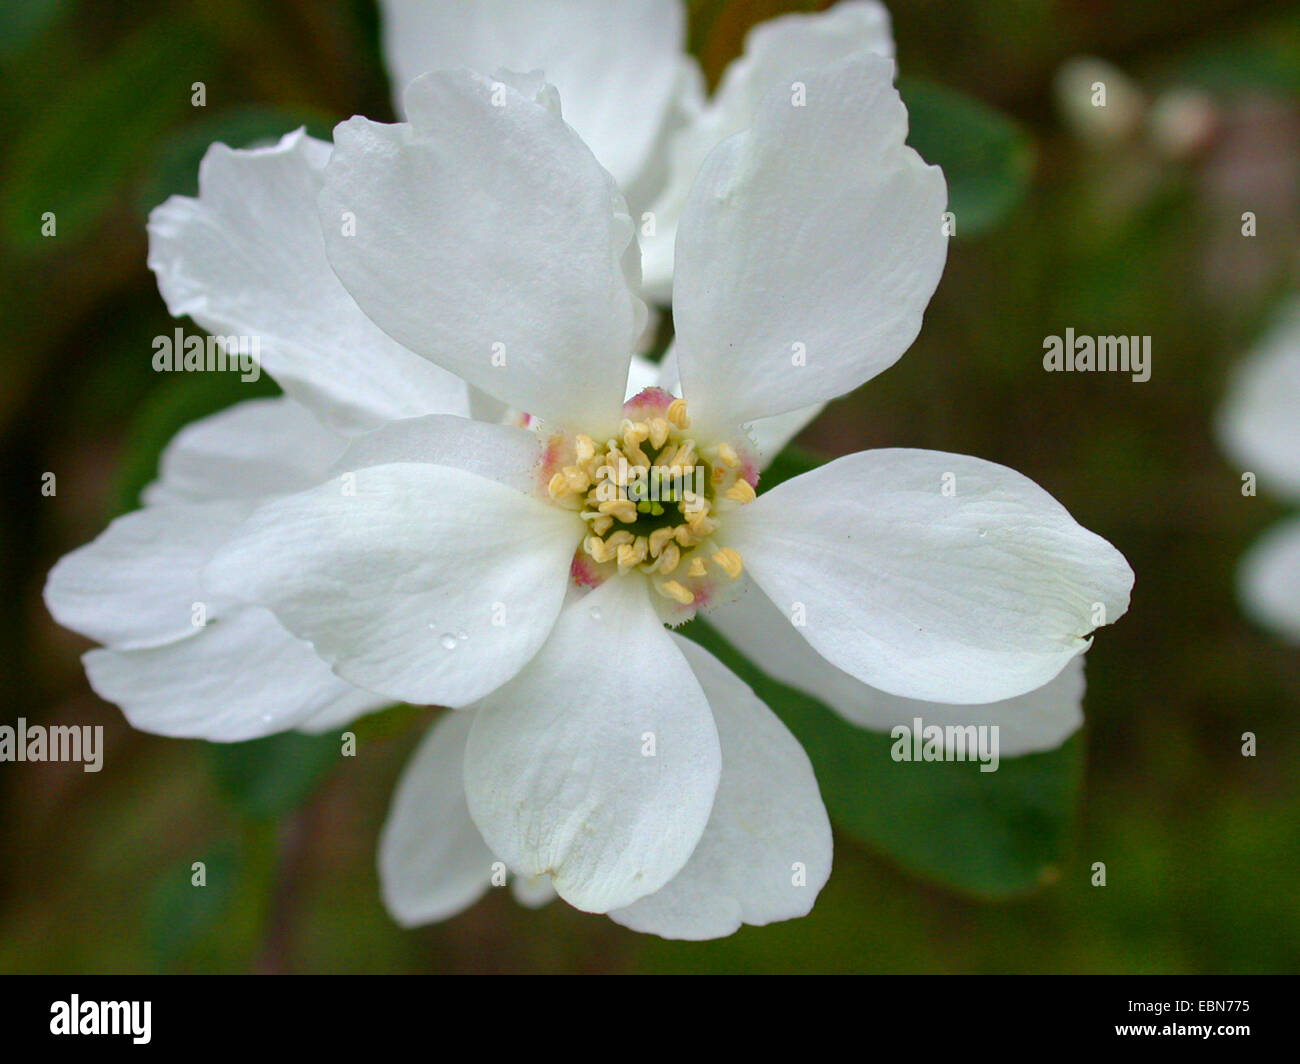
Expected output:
(673, 590)
(728, 455)
(585, 449)
(669, 559)
(619, 538)
(729, 561)
(677, 413)
(697, 568)
(659, 429)
(658, 538)
(599, 549)
(601, 525)
(697, 516)
(631, 554)
(576, 478)
(742, 492)
(684, 536)
(621, 509)
(615, 471)
(558, 486)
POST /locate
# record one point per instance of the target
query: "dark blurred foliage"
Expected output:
(1201, 844)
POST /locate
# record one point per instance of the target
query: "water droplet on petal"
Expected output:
(595, 613)
(448, 641)
(462, 635)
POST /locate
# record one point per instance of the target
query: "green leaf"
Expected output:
(986, 158)
(23, 22)
(987, 834)
(78, 155)
(1265, 59)
(180, 914)
(268, 778)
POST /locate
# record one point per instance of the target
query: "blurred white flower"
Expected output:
(1099, 103)
(1260, 429)
(1183, 122)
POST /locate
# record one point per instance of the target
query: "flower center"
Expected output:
(653, 499)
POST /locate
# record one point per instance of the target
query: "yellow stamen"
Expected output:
(742, 492)
(659, 429)
(622, 509)
(673, 590)
(576, 478)
(670, 559)
(631, 554)
(729, 561)
(599, 549)
(658, 538)
(558, 486)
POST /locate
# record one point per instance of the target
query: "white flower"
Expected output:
(600, 751)
(629, 87)
(477, 565)
(1259, 429)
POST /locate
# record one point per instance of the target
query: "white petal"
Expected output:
(1268, 581)
(556, 769)
(246, 259)
(137, 583)
(426, 583)
(809, 249)
(615, 64)
(1258, 422)
(489, 239)
(433, 862)
(1040, 720)
(503, 453)
(766, 852)
(242, 677)
(688, 96)
(253, 449)
(777, 52)
(932, 576)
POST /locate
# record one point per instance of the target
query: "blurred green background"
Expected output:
(1135, 234)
